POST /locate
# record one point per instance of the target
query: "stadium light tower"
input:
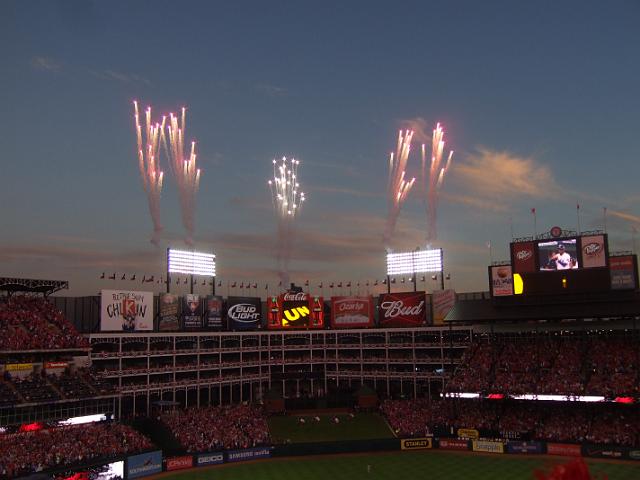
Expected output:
(418, 261)
(191, 263)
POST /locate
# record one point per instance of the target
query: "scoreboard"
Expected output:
(562, 262)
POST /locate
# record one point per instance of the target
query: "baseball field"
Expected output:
(402, 465)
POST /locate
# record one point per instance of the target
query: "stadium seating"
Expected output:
(27, 452)
(213, 428)
(558, 364)
(30, 323)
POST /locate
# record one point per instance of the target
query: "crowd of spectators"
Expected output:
(213, 428)
(550, 421)
(32, 323)
(35, 388)
(27, 452)
(597, 364)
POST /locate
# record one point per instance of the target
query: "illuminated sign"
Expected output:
(420, 261)
(295, 310)
(191, 263)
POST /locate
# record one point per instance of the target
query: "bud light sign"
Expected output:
(244, 313)
(407, 309)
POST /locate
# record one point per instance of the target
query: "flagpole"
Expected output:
(604, 216)
(535, 223)
(578, 215)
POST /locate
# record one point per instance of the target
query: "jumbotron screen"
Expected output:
(556, 264)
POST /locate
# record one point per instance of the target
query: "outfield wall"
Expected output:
(154, 462)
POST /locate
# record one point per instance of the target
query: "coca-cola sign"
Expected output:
(351, 312)
(523, 257)
(299, 296)
(406, 309)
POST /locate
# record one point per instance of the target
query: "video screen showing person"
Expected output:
(558, 255)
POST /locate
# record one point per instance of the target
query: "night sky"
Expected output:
(539, 100)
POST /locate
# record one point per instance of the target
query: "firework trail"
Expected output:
(185, 171)
(149, 165)
(432, 182)
(287, 201)
(398, 186)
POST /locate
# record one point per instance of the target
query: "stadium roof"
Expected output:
(46, 287)
(471, 311)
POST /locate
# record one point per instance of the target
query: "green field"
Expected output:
(363, 426)
(430, 465)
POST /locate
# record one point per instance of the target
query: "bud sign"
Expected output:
(405, 309)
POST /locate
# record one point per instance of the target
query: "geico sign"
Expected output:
(397, 308)
(243, 312)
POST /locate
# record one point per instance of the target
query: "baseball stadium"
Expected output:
(174, 306)
(538, 373)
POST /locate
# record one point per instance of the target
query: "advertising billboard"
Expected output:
(351, 312)
(453, 444)
(144, 464)
(179, 463)
(191, 312)
(565, 449)
(501, 280)
(593, 249)
(248, 454)
(403, 309)
(212, 458)
(523, 257)
(213, 312)
(623, 272)
(168, 317)
(487, 446)
(443, 301)
(126, 310)
(416, 443)
(515, 446)
(295, 310)
(561, 254)
(244, 313)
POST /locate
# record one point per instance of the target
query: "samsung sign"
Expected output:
(244, 313)
(248, 454)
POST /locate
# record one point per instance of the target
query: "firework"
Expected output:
(287, 202)
(398, 187)
(432, 182)
(149, 165)
(185, 171)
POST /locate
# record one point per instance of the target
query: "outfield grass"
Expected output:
(363, 426)
(433, 465)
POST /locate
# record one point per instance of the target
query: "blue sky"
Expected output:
(539, 101)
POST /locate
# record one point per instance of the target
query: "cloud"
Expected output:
(624, 216)
(422, 132)
(504, 175)
(475, 202)
(271, 90)
(45, 64)
(345, 191)
(120, 76)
